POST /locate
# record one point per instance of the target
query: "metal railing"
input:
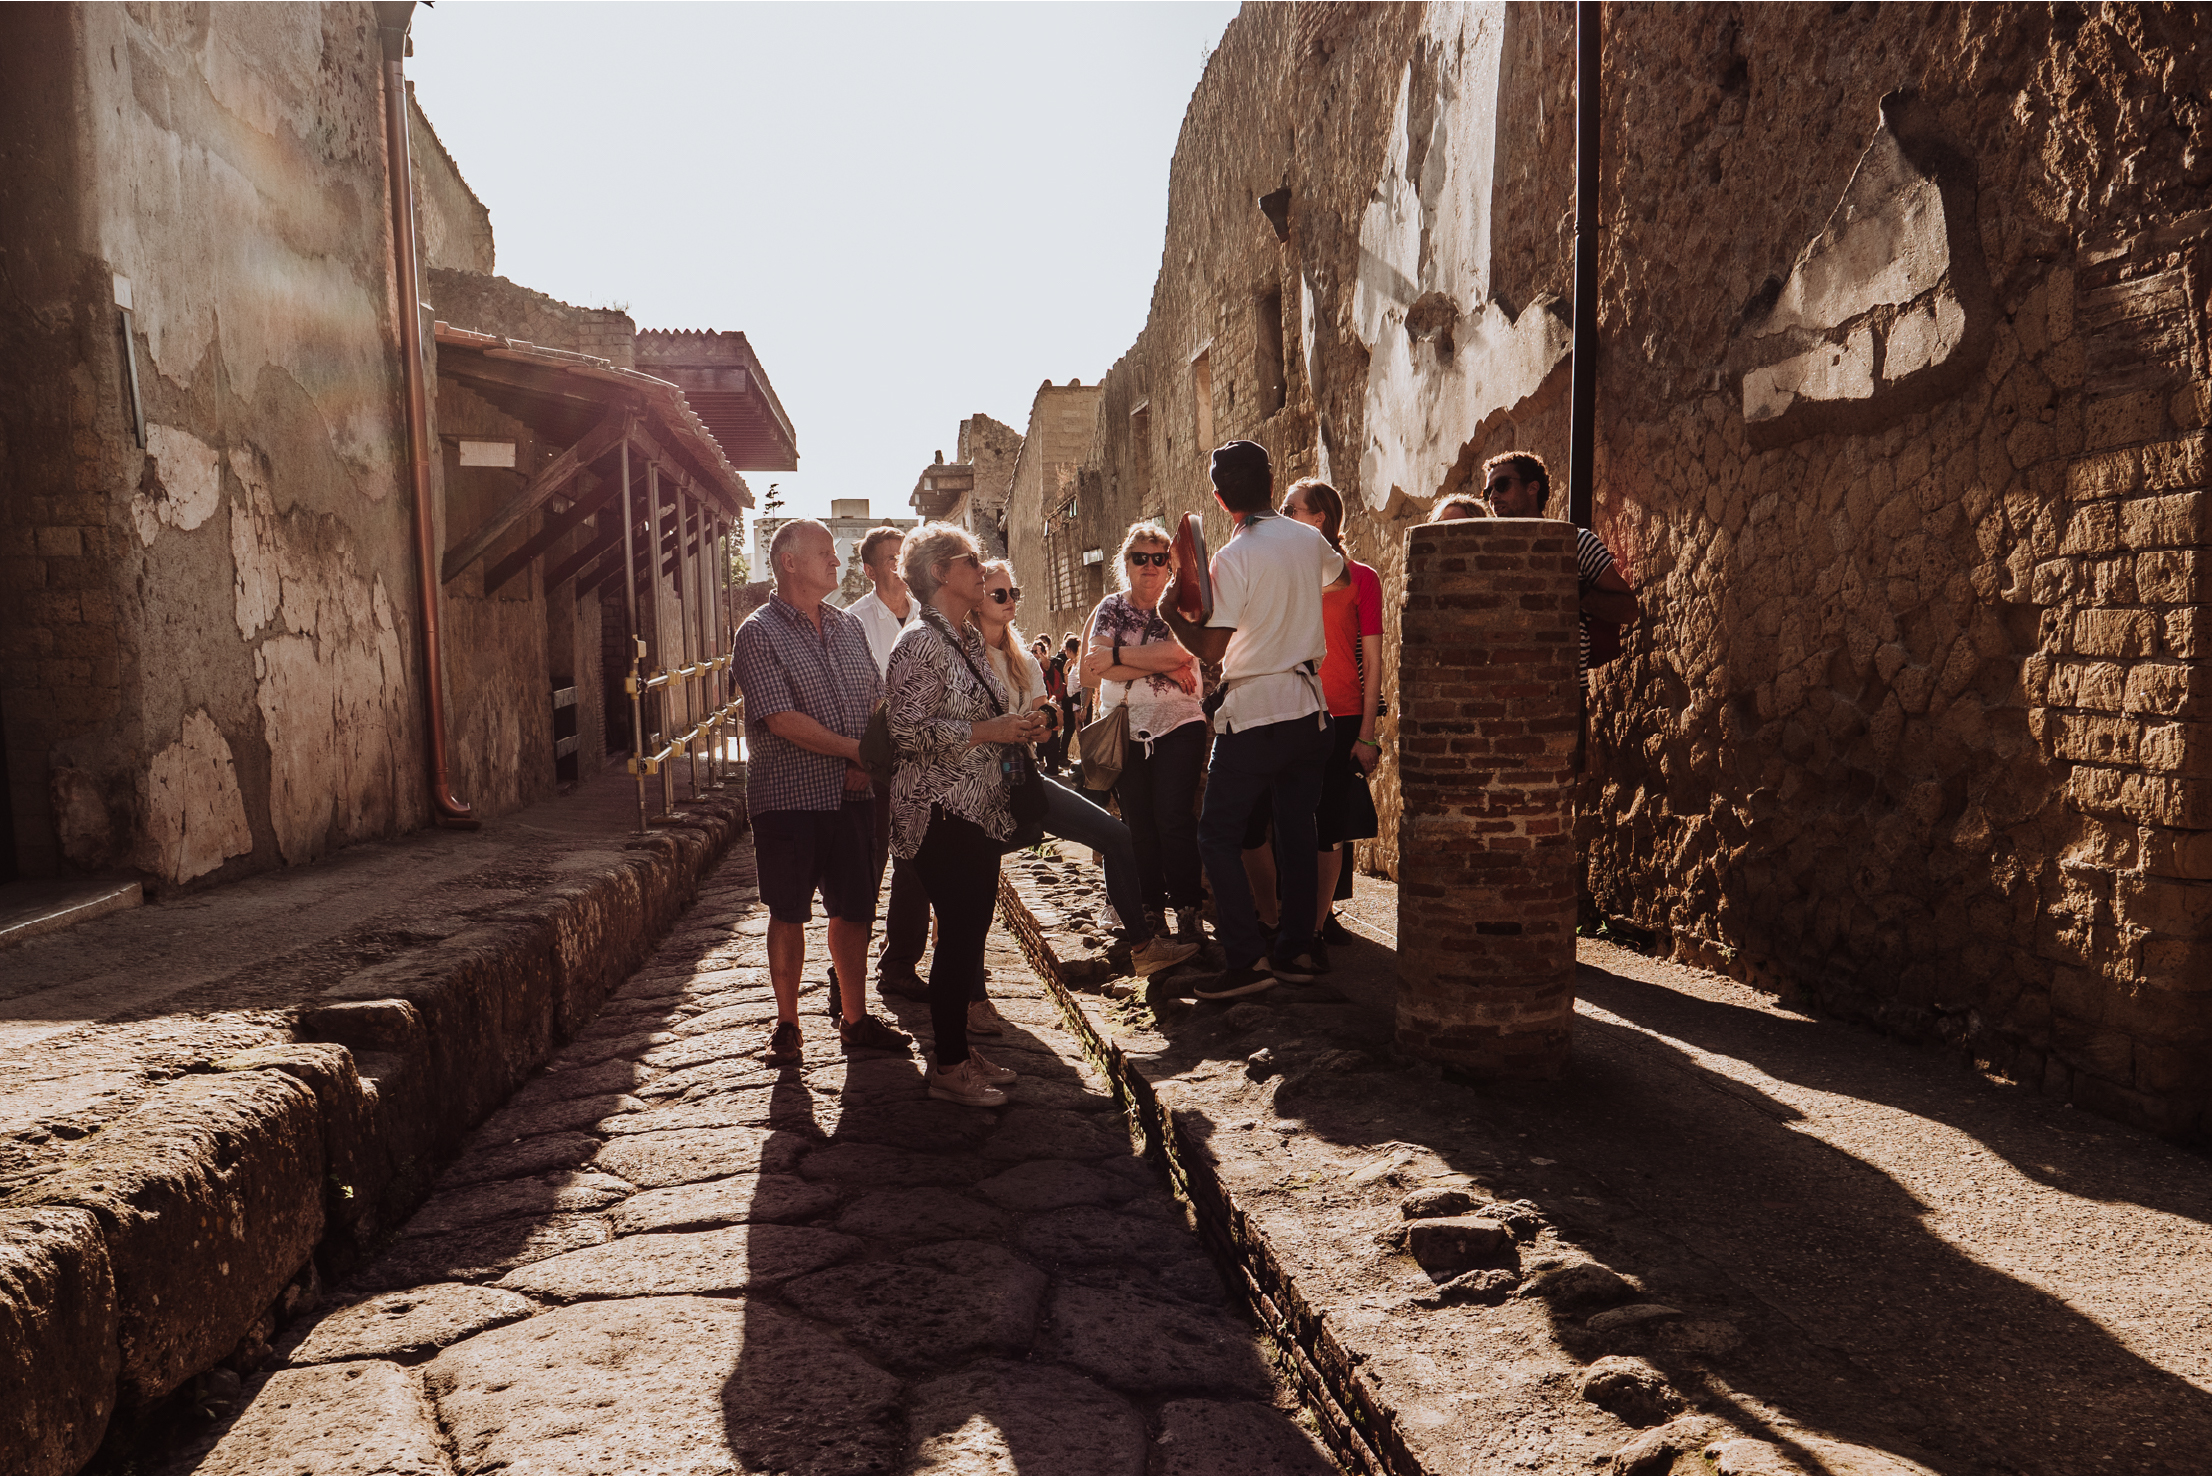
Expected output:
(687, 673)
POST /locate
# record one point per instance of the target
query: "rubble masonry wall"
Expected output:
(1903, 335)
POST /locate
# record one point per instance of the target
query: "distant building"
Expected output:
(849, 522)
(971, 491)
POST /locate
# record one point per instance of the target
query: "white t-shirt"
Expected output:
(882, 627)
(1267, 589)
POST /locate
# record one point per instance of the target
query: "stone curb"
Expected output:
(184, 1229)
(1360, 1430)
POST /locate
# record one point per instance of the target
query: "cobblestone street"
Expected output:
(662, 1256)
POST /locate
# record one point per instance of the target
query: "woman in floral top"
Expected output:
(954, 729)
(1136, 659)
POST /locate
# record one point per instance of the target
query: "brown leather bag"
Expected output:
(1104, 746)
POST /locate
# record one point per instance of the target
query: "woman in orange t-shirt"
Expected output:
(1351, 683)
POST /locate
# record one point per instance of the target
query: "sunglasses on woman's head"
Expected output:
(1156, 560)
(1005, 596)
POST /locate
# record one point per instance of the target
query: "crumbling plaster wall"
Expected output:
(210, 655)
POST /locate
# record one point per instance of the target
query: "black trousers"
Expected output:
(906, 920)
(1159, 804)
(958, 865)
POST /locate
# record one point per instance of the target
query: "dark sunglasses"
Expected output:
(1005, 596)
(1156, 560)
(1502, 484)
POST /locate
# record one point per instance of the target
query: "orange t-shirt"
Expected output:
(1348, 613)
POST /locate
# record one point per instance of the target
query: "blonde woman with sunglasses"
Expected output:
(1068, 815)
(1136, 659)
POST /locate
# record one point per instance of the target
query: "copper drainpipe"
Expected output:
(393, 20)
(1583, 384)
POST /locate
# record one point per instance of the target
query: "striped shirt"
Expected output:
(785, 665)
(1592, 559)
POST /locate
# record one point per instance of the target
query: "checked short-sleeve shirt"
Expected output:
(786, 665)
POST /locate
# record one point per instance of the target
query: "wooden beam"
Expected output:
(676, 467)
(597, 442)
(556, 528)
(581, 560)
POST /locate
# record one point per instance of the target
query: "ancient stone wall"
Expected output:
(1043, 541)
(1907, 728)
(1903, 337)
(454, 228)
(488, 304)
(210, 663)
(991, 449)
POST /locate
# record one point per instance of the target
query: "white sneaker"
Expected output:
(992, 1073)
(984, 1019)
(1157, 954)
(964, 1084)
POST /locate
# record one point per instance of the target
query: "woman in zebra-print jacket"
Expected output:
(955, 732)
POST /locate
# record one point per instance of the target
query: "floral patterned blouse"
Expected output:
(1157, 703)
(932, 698)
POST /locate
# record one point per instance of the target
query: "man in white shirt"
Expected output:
(1272, 729)
(883, 613)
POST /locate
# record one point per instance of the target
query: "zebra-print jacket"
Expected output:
(932, 698)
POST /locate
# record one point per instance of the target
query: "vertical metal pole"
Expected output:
(707, 678)
(678, 580)
(660, 633)
(637, 643)
(1583, 389)
(725, 644)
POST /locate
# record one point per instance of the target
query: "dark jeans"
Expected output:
(1157, 792)
(1289, 756)
(958, 865)
(906, 921)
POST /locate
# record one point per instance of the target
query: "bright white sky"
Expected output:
(915, 212)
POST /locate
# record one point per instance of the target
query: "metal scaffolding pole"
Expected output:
(637, 642)
(660, 637)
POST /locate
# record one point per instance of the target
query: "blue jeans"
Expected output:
(1073, 818)
(1290, 757)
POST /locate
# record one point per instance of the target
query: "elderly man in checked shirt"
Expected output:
(810, 684)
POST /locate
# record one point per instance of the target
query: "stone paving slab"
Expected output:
(817, 1269)
(1731, 1239)
(240, 1091)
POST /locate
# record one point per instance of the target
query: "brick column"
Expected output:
(1488, 716)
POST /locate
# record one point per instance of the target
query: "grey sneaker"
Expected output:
(992, 1073)
(1228, 985)
(984, 1019)
(1158, 953)
(964, 1084)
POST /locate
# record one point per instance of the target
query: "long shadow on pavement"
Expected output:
(1866, 1322)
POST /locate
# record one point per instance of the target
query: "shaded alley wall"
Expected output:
(1903, 368)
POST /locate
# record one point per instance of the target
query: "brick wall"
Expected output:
(1488, 869)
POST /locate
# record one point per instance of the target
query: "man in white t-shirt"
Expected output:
(883, 613)
(1272, 729)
